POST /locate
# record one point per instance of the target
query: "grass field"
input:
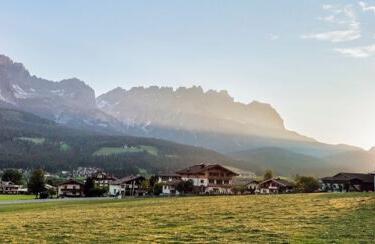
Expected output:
(107, 151)
(16, 197)
(311, 218)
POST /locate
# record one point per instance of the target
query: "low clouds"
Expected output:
(335, 36)
(345, 27)
(357, 52)
(367, 8)
(344, 19)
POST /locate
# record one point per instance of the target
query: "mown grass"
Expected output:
(302, 218)
(16, 197)
(107, 151)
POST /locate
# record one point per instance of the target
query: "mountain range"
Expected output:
(253, 133)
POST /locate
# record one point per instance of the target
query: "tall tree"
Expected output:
(268, 175)
(12, 175)
(89, 187)
(36, 183)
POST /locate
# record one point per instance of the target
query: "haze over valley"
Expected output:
(253, 135)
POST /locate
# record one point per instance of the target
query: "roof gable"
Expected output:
(72, 182)
(368, 178)
(129, 179)
(278, 181)
(201, 168)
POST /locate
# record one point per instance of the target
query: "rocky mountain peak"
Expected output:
(4, 60)
(63, 101)
(189, 107)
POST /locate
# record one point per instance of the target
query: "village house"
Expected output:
(242, 185)
(8, 187)
(127, 186)
(209, 178)
(70, 188)
(102, 179)
(348, 182)
(275, 186)
(252, 186)
(169, 182)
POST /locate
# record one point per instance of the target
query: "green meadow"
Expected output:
(107, 151)
(16, 197)
(299, 218)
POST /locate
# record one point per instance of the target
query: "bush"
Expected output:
(97, 192)
(185, 186)
(43, 195)
(158, 189)
(306, 184)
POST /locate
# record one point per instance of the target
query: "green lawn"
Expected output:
(302, 218)
(107, 151)
(16, 197)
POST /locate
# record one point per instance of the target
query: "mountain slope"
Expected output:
(28, 141)
(209, 119)
(192, 109)
(288, 163)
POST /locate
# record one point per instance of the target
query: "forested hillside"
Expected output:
(28, 141)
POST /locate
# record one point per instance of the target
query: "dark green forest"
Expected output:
(28, 141)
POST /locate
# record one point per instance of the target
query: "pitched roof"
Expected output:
(128, 179)
(168, 175)
(279, 181)
(244, 181)
(105, 176)
(71, 181)
(344, 177)
(173, 182)
(200, 168)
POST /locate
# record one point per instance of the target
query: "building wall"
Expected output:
(69, 189)
(114, 190)
(197, 180)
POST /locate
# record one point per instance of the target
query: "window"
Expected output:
(219, 182)
(226, 182)
(202, 181)
(211, 181)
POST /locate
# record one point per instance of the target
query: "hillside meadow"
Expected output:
(311, 218)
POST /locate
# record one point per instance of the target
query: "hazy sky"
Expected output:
(314, 61)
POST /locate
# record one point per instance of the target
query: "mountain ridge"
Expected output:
(209, 119)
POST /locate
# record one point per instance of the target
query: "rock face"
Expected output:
(189, 115)
(69, 102)
(189, 108)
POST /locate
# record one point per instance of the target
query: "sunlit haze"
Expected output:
(314, 61)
